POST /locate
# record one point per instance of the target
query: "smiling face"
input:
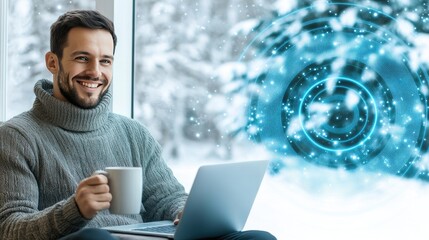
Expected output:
(84, 73)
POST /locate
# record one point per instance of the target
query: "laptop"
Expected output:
(219, 203)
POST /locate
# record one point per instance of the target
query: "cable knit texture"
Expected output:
(47, 151)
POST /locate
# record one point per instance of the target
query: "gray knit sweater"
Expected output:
(47, 151)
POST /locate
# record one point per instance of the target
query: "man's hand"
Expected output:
(92, 195)
(178, 217)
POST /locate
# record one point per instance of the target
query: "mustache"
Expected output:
(86, 77)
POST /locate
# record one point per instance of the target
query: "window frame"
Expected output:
(3, 58)
(123, 67)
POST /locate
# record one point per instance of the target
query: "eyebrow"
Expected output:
(87, 53)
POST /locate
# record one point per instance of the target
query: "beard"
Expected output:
(71, 94)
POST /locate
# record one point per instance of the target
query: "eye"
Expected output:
(82, 59)
(106, 62)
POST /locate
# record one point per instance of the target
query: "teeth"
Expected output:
(93, 85)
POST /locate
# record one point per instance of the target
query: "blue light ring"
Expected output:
(343, 130)
(298, 82)
(348, 163)
(426, 110)
(283, 19)
(312, 21)
(323, 147)
(349, 128)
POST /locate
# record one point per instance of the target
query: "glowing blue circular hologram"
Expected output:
(342, 96)
(341, 136)
(360, 120)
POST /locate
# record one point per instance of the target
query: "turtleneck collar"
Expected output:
(66, 115)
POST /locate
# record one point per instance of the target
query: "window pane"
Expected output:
(182, 52)
(28, 41)
(184, 55)
(335, 94)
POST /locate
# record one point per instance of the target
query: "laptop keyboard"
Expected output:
(159, 229)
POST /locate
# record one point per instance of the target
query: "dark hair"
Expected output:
(78, 18)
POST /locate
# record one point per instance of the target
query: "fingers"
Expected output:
(178, 217)
(95, 180)
(92, 195)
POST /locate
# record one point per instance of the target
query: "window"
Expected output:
(182, 52)
(318, 87)
(28, 41)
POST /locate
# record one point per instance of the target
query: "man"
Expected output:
(48, 154)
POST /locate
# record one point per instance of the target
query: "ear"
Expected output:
(52, 62)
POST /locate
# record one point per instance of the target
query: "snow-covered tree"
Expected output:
(179, 48)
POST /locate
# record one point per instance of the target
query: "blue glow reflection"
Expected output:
(338, 94)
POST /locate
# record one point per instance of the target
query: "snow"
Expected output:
(349, 17)
(324, 203)
(245, 27)
(285, 6)
(352, 99)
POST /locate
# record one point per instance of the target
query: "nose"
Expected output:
(93, 69)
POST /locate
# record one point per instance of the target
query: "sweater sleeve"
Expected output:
(163, 196)
(20, 217)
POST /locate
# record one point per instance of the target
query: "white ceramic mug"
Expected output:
(126, 187)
